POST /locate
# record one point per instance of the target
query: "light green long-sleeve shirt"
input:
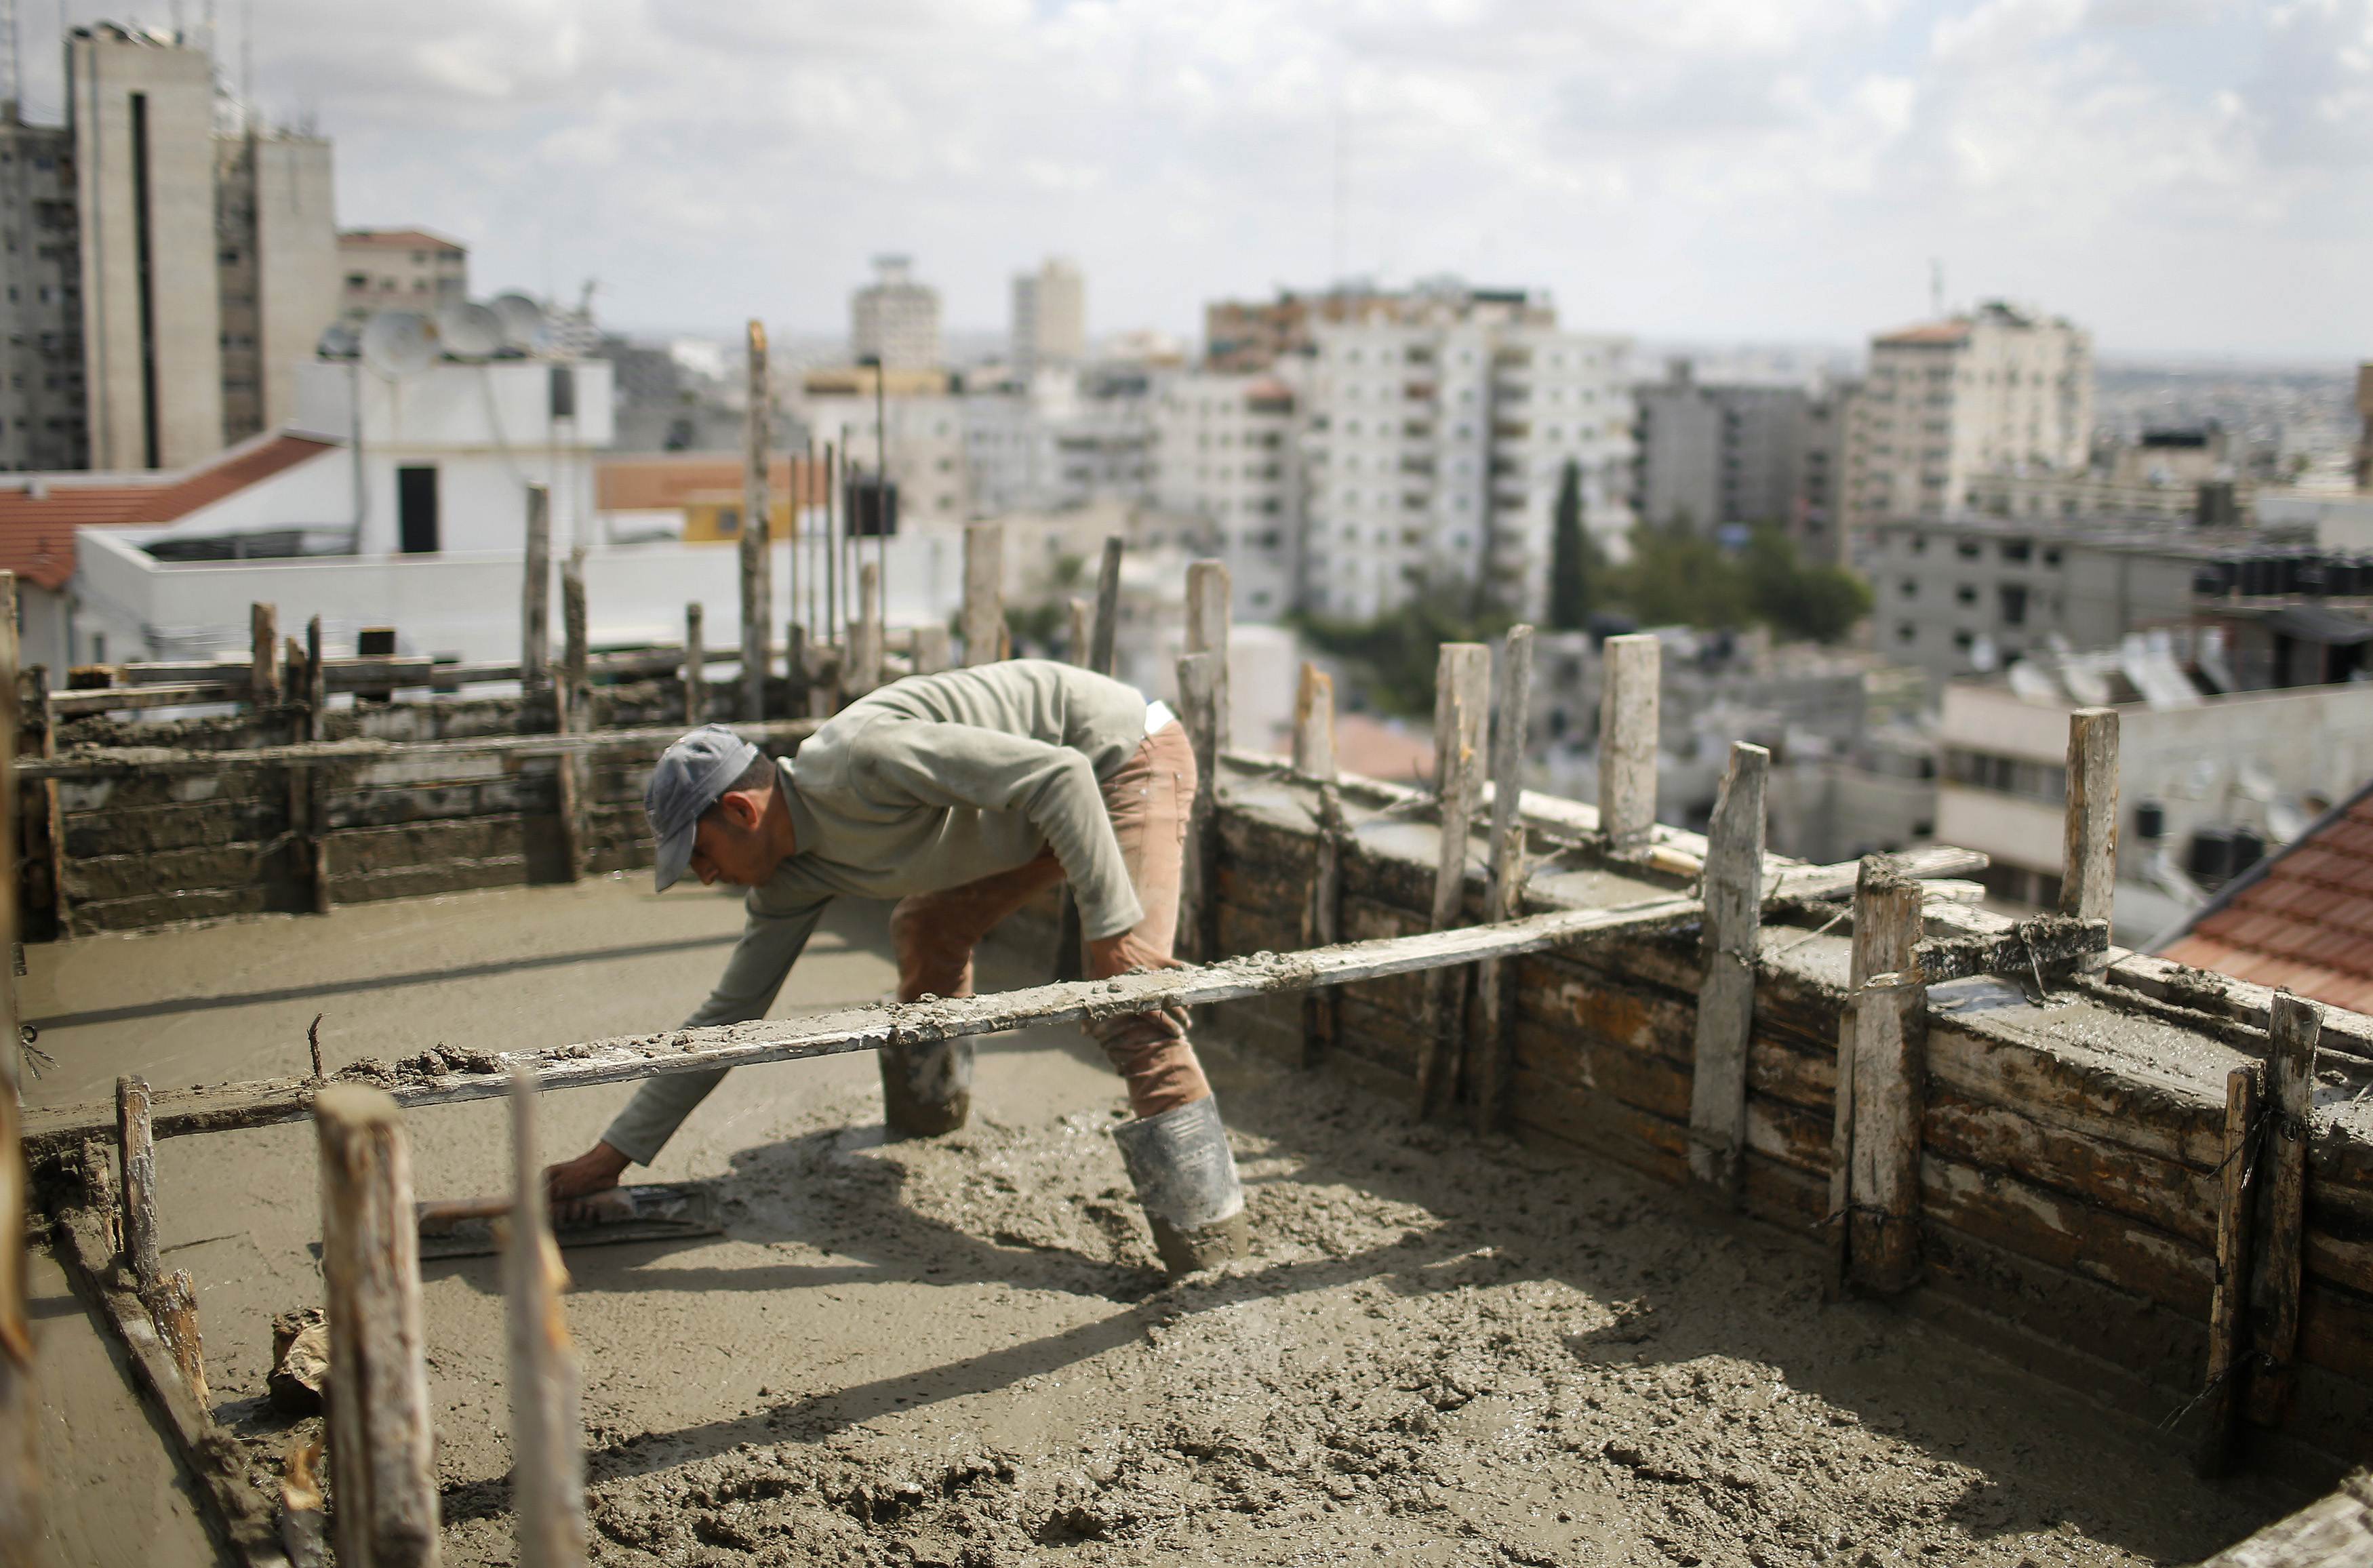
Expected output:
(927, 784)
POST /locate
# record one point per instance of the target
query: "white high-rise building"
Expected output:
(1050, 318)
(1998, 390)
(1437, 441)
(896, 319)
(1227, 450)
(923, 440)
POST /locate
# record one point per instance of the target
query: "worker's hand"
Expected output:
(596, 1170)
(1119, 955)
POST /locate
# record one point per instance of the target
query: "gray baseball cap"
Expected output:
(690, 777)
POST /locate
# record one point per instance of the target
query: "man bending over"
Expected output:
(961, 795)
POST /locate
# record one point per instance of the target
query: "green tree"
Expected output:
(1395, 654)
(1677, 576)
(1570, 556)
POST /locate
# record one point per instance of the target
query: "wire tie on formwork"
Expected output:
(2254, 1358)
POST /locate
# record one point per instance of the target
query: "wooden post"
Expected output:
(135, 1147)
(535, 592)
(865, 632)
(1503, 893)
(1080, 629)
(380, 1439)
(1885, 1027)
(1199, 892)
(1734, 899)
(317, 798)
(2293, 1029)
(696, 669)
(2088, 874)
(21, 1405)
(1070, 955)
(1462, 686)
(1322, 914)
(1627, 699)
(174, 1308)
(1209, 608)
(2228, 1320)
(547, 1436)
(1103, 640)
(264, 655)
(757, 585)
(984, 593)
(571, 706)
(929, 649)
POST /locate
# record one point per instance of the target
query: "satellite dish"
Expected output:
(398, 343)
(339, 341)
(523, 320)
(468, 329)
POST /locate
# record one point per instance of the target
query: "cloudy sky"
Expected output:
(2181, 175)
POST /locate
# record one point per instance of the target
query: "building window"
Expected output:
(415, 510)
(1905, 631)
(2014, 604)
(2016, 549)
(1912, 588)
(1965, 594)
(1968, 549)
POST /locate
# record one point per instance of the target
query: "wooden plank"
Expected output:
(1504, 887)
(264, 654)
(135, 1150)
(757, 580)
(2281, 1220)
(2333, 1532)
(141, 762)
(2089, 859)
(2228, 1308)
(547, 1432)
(535, 589)
(1198, 675)
(1726, 1012)
(1462, 709)
(1210, 611)
(1628, 708)
(2222, 996)
(381, 1440)
(1105, 636)
(983, 617)
(1885, 1017)
(696, 667)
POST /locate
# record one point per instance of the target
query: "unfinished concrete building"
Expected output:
(1620, 1195)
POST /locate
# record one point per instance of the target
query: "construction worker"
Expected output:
(961, 795)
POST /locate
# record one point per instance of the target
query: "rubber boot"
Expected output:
(925, 1087)
(1186, 1179)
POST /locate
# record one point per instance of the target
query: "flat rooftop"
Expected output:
(1448, 1348)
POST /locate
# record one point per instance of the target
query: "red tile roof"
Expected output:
(36, 533)
(1932, 332)
(2305, 921)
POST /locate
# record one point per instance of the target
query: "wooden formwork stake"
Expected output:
(174, 1308)
(20, 1410)
(1210, 609)
(695, 668)
(1628, 708)
(1103, 635)
(2293, 1029)
(757, 584)
(1503, 891)
(135, 1147)
(1079, 627)
(317, 796)
(2228, 1320)
(1070, 955)
(929, 649)
(535, 590)
(570, 705)
(865, 632)
(2088, 876)
(381, 1441)
(1322, 912)
(547, 1437)
(1734, 898)
(983, 620)
(264, 655)
(1199, 904)
(1881, 1032)
(1462, 686)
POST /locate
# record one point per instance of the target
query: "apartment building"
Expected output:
(276, 254)
(1227, 450)
(42, 424)
(921, 434)
(1740, 453)
(1050, 318)
(896, 319)
(1997, 389)
(1245, 335)
(399, 269)
(1436, 444)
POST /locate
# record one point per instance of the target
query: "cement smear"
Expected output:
(956, 1351)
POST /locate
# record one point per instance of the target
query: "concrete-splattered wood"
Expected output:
(1725, 1010)
(2229, 1307)
(757, 576)
(1104, 631)
(182, 1112)
(1628, 707)
(2278, 1257)
(2333, 1532)
(1504, 886)
(264, 654)
(548, 1435)
(983, 617)
(133, 762)
(1881, 1032)
(1210, 613)
(535, 589)
(1198, 675)
(1461, 716)
(696, 667)
(2089, 854)
(2239, 1002)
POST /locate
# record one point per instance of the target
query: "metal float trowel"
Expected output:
(472, 1227)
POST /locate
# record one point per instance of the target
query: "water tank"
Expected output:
(2150, 820)
(2211, 859)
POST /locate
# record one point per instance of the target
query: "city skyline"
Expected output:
(1713, 171)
